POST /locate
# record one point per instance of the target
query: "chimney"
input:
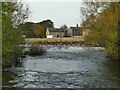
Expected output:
(76, 25)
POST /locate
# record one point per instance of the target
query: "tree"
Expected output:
(64, 28)
(46, 24)
(13, 14)
(27, 29)
(31, 29)
(38, 30)
(104, 26)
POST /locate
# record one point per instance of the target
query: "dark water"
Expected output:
(65, 67)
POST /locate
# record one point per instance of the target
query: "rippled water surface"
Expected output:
(65, 67)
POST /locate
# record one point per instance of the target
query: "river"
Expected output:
(65, 67)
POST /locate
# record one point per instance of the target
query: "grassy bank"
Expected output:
(54, 40)
(75, 40)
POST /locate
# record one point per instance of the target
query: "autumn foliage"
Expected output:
(37, 29)
(103, 26)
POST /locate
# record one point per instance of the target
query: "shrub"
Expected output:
(36, 50)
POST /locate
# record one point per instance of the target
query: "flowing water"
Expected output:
(65, 67)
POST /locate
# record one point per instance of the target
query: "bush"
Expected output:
(36, 50)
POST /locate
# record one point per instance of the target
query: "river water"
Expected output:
(65, 67)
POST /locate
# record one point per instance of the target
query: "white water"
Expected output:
(67, 67)
(65, 59)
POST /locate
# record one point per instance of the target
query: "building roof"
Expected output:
(76, 28)
(55, 30)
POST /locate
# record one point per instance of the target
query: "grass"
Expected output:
(66, 40)
(54, 40)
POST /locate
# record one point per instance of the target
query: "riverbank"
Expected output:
(71, 41)
(55, 40)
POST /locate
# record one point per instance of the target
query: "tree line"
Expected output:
(13, 14)
(36, 30)
(102, 19)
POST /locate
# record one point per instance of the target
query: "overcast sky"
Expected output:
(59, 12)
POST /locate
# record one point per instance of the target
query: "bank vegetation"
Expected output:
(102, 22)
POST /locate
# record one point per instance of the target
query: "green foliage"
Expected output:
(11, 35)
(27, 29)
(103, 27)
(45, 24)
